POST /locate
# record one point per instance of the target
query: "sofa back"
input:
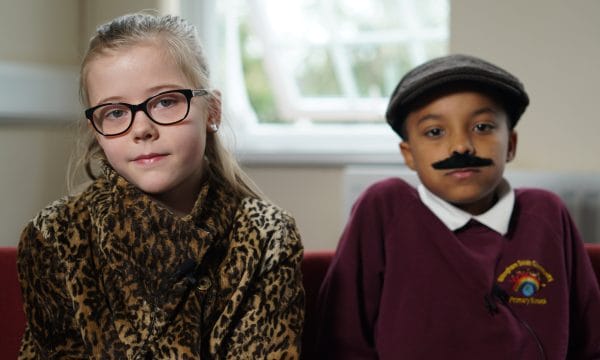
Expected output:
(594, 253)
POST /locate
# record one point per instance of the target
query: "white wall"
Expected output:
(34, 151)
(33, 156)
(44, 32)
(552, 45)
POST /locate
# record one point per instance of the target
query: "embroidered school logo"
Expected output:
(526, 279)
(527, 283)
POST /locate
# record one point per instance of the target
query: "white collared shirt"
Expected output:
(496, 218)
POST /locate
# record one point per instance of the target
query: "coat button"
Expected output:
(204, 283)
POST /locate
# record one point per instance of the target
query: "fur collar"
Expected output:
(141, 256)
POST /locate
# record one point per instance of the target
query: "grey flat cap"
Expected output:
(440, 72)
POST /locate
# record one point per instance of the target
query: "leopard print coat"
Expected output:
(110, 274)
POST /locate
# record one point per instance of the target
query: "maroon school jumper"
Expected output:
(403, 286)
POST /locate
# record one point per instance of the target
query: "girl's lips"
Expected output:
(148, 159)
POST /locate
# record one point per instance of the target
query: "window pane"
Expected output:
(377, 68)
(433, 13)
(296, 52)
(314, 73)
(259, 89)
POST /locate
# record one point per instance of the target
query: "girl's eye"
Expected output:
(114, 114)
(434, 132)
(166, 103)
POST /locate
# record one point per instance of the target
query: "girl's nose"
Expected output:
(143, 128)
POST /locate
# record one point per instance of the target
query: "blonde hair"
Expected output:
(181, 42)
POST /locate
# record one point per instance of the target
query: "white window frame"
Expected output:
(299, 142)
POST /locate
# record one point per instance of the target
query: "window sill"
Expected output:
(317, 145)
(317, 159)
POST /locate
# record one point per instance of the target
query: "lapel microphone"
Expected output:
(499, 294)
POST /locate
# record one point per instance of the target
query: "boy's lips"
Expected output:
(463, 173)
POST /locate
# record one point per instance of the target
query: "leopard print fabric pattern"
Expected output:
(110, 274)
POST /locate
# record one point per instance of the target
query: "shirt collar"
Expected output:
(496, 218)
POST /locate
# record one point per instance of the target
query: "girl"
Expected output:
(170, 253)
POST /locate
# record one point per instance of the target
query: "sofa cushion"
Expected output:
(11, 307)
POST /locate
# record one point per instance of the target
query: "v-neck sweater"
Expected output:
(404, 286)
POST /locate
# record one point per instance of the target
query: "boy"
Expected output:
(464, 267)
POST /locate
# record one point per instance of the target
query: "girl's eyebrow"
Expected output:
(149, 92)
(165, 87)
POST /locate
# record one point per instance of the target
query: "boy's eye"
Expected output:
(434, 132)
(484, 127)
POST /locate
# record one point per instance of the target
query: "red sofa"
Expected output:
(314, 268)
(12, 319)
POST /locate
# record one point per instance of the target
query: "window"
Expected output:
(309, 80)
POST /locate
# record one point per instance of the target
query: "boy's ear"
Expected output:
(512, 146)
(406, 152)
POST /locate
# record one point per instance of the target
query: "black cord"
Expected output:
(501, 295)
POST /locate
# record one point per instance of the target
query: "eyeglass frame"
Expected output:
(143, 106)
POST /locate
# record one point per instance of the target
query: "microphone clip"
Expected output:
(490, 304)
(497, 294)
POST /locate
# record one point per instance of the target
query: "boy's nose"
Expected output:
(462, 145)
